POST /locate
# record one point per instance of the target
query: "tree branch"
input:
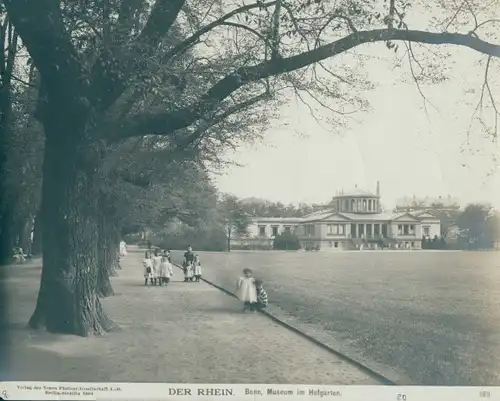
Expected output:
(196, 36)
(167, 123)
(41, 28)
(108, 82)
(126, 16)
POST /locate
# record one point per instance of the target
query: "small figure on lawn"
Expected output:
(187, 264)
(148, 268)
(156, 267)
(197, 269)
(246, 291)
(165, 271)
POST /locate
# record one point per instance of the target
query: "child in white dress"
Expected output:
(165, 271)
(197, 269)
(148, 268)
(156, 267)
(246, 290)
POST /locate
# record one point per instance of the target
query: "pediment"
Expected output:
(427, 216)
(406, 217)
(335, 217)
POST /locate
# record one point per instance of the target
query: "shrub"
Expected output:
(286, 242)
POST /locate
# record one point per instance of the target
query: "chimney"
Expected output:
(378, 188)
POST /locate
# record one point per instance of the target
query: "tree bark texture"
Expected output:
(68, 301)
(6, 236)
(105, 253)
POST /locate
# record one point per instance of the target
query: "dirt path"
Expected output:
(182, 333)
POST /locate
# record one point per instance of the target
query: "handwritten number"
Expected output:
(401, 397)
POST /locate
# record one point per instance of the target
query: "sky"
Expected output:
(410, 151)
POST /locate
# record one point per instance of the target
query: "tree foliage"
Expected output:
(286, 241)
(479, 226)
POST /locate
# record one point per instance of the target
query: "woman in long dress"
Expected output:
(246, 290)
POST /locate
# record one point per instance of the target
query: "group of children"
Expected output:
(191, 266)
(251, 292)
(158, 271)
(157, 268)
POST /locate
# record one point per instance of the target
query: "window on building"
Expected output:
(288, 229)
(262, 231)
(364, 205)
(400, 229)
(336, 244)
(406, 229)
(427, 231)
(353, 202)
(384, 230)
(309, 230)
(412, 229)
(413, 245)
(376, 229)
(275, 231)
(369, 204)
(335, 229)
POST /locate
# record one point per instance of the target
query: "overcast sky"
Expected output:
(409, 151)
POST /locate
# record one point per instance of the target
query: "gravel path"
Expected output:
(182, 333)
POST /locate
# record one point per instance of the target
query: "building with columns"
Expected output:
(353, 220)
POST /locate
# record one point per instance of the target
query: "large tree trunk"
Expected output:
(105, 253)
(8, 39)
(68, 301)
(6, 236)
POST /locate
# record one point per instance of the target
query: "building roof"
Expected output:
(289, 220)
(356, 193)
(324, 214)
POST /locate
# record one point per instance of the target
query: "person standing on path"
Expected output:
(197, 269)
(187, 264)
(123, 248)
(156, 267)
(165, 271)
(246, 290)
(148, 268)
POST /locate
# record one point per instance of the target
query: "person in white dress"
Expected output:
(197, 269)
(123, 248)
(246, 290)
(148, 268)
(156, 267)
(165, 271)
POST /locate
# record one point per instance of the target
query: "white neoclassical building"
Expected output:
(353, 220)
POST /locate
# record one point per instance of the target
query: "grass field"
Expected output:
(433, 316)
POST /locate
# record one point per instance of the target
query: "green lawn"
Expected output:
(434, 316)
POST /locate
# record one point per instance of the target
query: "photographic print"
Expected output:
(250, 199)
